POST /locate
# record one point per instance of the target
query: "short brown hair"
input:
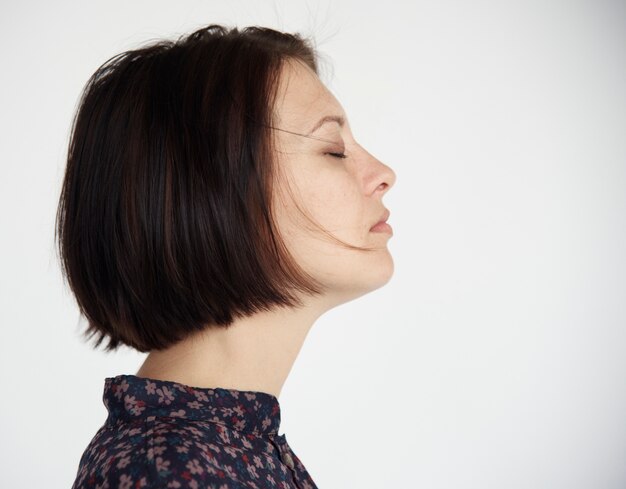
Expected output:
(164, 223)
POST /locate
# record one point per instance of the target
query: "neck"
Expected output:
(254, 353)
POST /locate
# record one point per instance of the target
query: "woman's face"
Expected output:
(343, 195)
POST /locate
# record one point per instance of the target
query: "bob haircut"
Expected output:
(164, 224)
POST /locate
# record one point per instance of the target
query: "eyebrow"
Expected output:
(327, 118)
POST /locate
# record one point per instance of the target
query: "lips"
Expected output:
(383, 218)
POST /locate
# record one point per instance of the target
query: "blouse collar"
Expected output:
(130, 397)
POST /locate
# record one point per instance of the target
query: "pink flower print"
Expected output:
(122, 453)
(165, 395)
(128, 402)
(270, 479)
(224, 436)
(123, 462)
(230, 472)
(270, 463)
(142, 482)
(231, 451)
(239, 425)
(194, 466)
(252, 471)
(201, 396)
(159, 450)
(257, 461)
(150, 387)
(126, 481)
(174, 485)
(133, 406)
(182, 449)
(266, 422)
(194, 405)
(215, 419)
(140, 406)
(162, 465)
(213, 447)
(250, 396)
(178, 414)
(239, 410)
(246, 443)
(120, 389)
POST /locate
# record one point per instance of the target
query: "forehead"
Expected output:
(302, 98)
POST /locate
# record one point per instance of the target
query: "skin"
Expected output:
(344, 196)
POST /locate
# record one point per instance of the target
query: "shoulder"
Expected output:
(157, 454)
(115, 457)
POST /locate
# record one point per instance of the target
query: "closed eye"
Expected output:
(337, 155)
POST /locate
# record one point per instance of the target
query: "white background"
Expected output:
(496, 355)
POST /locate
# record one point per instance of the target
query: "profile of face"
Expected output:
(343, 195)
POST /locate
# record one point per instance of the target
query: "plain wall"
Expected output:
(496, 355)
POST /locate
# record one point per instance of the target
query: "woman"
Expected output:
(215, 204)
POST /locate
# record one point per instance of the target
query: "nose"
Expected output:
(390, 177)
(385, 176)
(377, 175)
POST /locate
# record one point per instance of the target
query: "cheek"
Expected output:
(325, 190)
(333, 199)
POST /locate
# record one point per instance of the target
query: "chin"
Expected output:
(372, 275)
(385, 272)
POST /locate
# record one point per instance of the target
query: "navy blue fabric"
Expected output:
(162, 434)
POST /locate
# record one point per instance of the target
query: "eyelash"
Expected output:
(337, 155)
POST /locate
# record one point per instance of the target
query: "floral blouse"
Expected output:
(163, 434)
